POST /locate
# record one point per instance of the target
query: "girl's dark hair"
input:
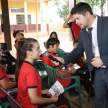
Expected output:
(23, 46)
(52, 41)
(53, 33)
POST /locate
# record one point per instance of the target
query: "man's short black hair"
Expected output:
(14, 34)
(52, 41)
(81, 8)
(75, 41)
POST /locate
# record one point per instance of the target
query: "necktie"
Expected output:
(89, 53)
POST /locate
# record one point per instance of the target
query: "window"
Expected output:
(17, 9)
(21, 19)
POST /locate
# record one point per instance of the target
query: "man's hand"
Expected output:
(60, 59)
(97, 62)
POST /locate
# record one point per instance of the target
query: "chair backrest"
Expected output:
(13, 103)
(38, 65)
(51, 74)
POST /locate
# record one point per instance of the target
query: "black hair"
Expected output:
(52, 41)
(81, 8)
(22, 34)
(75, 41)
(15, 32)
(53, 33)
(23, 46)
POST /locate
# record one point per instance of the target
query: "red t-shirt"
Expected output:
(16, 43)
(76, 30)
(3, 75)
(28, 78)
(48, 61)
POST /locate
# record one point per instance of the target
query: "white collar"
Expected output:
(94, 25)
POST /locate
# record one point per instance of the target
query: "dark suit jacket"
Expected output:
(102, 38)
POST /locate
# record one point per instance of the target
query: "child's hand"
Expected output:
(46, 92)
(73, 70)
(54, 98)
(70, 64)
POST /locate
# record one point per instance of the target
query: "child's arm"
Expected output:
(83, 59)
(11, 76)
(35, 99)
(7, 85)
(64, 73)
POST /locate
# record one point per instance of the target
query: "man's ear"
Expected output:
(88, 14)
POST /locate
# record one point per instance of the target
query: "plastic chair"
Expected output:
(4, 105)
(38, 65)
(12, 102)
(52, 79)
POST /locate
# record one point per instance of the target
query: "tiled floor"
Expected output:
(74, 100)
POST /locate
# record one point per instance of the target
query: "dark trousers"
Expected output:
(61, 103)
(101, 87)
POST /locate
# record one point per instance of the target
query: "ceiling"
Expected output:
(32, 1)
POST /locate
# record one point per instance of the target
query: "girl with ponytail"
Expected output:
(29, 82)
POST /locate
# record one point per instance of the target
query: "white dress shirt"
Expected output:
(95, 48)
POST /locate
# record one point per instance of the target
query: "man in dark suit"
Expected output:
(94, 41)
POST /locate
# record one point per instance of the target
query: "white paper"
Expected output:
(56, 89)
(76, 66)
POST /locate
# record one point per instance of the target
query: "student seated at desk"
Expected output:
(52, 48)
(5, 82)
(29, 81)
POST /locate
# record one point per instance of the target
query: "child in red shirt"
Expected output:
(53, 46)
(17, 35)
(29, 81)
(5, 82)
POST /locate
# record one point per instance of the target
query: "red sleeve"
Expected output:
(1, 73)
(16, 43)
(47, 61)
(31, 79)
(76, 30)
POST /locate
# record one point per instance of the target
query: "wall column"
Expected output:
(47, 25)
(6, 23)
(71, 5)
(26, 16)
(36, 19)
